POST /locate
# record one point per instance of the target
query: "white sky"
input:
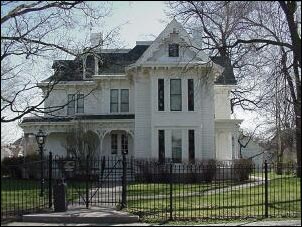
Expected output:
(141, 20)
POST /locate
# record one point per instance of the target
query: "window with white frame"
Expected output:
(75, 104)
(173, 50)
(119, 100)
(124, 100)
(114, 100)
(175, 95)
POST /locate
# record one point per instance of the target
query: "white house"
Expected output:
(161, 99)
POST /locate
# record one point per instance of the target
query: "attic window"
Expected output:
(174, 50)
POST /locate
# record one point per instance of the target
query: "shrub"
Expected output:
(17, 167)
(209, 170)
(243, 168)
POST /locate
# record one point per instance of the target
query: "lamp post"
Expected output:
(40, 137)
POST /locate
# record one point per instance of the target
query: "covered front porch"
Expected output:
(101, 137)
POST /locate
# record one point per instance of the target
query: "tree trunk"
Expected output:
(298, 139)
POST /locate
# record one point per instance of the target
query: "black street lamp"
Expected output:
(40, 137)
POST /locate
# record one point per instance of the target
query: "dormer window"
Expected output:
(174, 50)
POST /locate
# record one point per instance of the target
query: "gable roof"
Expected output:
(170, 28)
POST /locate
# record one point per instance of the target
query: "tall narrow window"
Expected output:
(175, 95)
(191, 146)
(161, 146)
(190, 95)
(80, 103)
(113, 143)
(161, 95)
(124, 143)
(176, 146)
(113, 100)
(173, 50)
(124, 100)
(71, 105)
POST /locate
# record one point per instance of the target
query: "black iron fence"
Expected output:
(206, 191)
(23, 190)
(155, 191)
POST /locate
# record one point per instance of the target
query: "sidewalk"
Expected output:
(244, 223)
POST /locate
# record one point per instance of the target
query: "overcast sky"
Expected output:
(140, 21)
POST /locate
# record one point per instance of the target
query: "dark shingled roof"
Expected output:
(112, 63)
(115, 63)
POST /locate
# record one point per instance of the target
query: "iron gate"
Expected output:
(92, 181)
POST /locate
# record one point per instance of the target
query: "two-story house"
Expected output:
(162, 99)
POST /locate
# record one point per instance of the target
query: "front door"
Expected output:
(119, 143)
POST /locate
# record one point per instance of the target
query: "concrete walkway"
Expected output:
(246, 223)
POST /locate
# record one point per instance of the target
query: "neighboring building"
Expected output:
(254, 151)
(12, 150)
(6, 152)
(162, 99)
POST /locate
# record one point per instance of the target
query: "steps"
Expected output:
(82, 215)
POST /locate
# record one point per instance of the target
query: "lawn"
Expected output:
(152, 201)
(20, 196)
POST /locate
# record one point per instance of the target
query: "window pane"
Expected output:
(161, 146)
(80, 103)
(114, 95)
(125, 96)
(161, 95)
(175, 102)
(113, 107)
(190, 95)
(124, 100)
(71, 105)
(175, 94)
(175, 86)
(124, 107)
(176, 146)
(173, 50)
(113, 100)
(113, 143)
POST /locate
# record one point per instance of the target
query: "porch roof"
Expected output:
(78, 117)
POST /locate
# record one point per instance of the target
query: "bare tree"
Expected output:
(254, 36)
(36, 31)
(80, 142)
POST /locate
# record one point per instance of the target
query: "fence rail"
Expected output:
(155, 191)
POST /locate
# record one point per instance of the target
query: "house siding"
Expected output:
(142, 143)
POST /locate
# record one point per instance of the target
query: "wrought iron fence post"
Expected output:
(50, 180)
(171, 192)
(87, 179)
(266, 188)
(124, 183)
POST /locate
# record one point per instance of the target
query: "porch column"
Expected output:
(101, 134)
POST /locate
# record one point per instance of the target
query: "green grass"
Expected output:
(284, 201)
(161, 189)
(21, 195)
